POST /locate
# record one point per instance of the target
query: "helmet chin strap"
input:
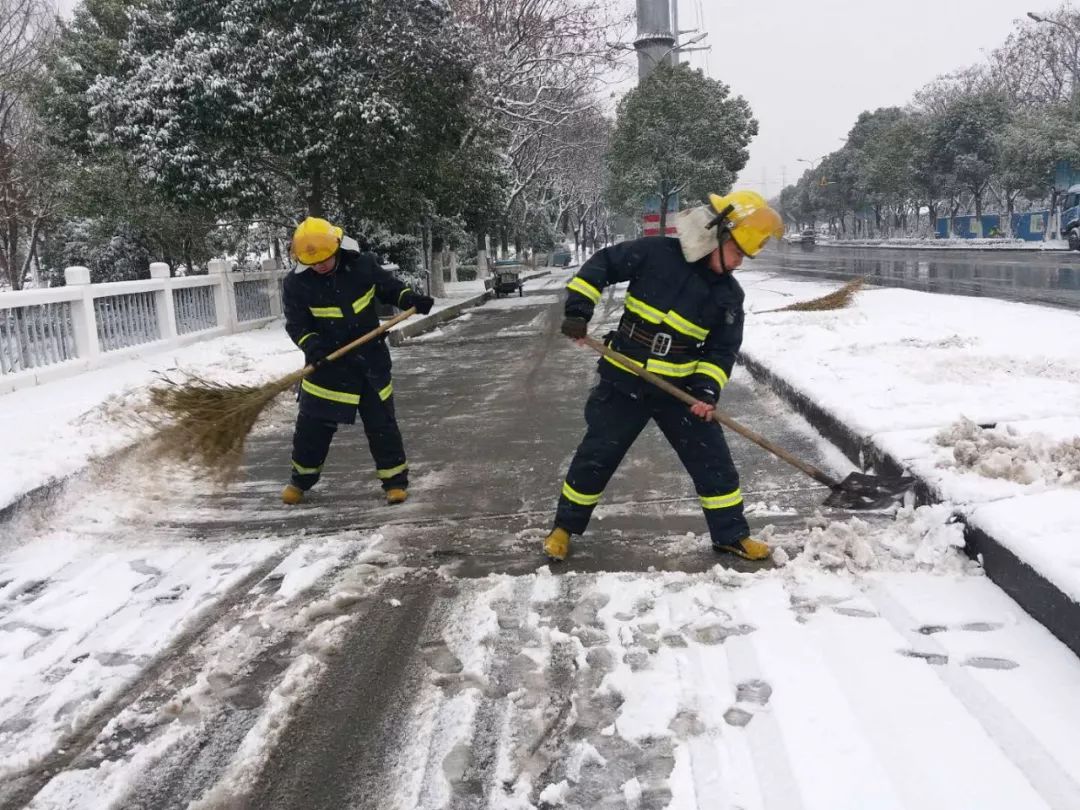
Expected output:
(723, 233)
(723, 237)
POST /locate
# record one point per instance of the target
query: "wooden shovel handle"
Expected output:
(718, 415)
(381, 329)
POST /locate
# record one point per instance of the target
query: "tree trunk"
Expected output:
(187, 258)
(426, 237)
(482, 252)
(14, 266)
(663, 213)
(315, 190)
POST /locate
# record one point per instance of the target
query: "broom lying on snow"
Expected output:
(834, 300)
(206, 423)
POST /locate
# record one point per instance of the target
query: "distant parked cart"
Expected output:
(506, 277)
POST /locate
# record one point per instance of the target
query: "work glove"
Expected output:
(315, 351)
(422, 303)
(575, 328)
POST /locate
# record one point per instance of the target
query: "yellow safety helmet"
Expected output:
(748, 218)
(315, 240)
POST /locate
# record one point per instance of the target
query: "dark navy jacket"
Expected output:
(335, 309)
(687, 320)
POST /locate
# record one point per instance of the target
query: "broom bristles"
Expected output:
(205, 423)
(838, 299)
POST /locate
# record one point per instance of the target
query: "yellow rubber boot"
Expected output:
(396, 495)
(748, 548)
(292, 495)
(557, 544)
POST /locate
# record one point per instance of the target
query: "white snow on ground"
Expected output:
(1008, 454)
(817, 686)
(66, 653)
(307, 603)
(516, 302)
(53, 430)
(918, 373)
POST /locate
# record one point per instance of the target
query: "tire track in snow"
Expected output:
(1056, 786)
(25, 785)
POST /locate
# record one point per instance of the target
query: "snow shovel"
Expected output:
(857, 491)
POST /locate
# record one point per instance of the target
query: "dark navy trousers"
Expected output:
(614, 420)
(312, 437)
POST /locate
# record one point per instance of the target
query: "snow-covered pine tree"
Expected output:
(232, 103)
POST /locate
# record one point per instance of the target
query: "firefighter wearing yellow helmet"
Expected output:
(683, 320)
(329, 301)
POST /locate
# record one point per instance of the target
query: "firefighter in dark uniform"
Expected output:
(683, 320)
(329, 301)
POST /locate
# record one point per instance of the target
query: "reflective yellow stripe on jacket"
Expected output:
(300, 342)
(714, 371)
(580, 285)
(361, 303)
(670, 318)
(661, 367)
(344, 397)
(387, 392)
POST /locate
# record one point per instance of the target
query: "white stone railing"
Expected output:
(57, 332)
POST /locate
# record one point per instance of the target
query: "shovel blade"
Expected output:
(864, 491)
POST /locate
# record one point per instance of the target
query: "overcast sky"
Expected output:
(809, 67)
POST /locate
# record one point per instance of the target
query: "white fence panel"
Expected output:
(45, 334)
(195, 309)
(36, 335)
(126, 320)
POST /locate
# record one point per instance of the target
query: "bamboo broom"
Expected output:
(206, 423)
(838, 299)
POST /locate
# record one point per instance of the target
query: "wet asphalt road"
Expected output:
(1044, 277)
(491, 409)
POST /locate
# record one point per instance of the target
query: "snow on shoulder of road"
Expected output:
(979, 397)
(54, 430)
(725, 689)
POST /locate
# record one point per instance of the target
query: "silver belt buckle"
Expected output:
(661, 344)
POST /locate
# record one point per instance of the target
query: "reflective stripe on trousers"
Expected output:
(614, 421)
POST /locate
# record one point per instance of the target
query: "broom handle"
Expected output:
(366, 338)
(718, 415)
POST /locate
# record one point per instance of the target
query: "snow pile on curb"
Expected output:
(920, 539)
(1006, 454)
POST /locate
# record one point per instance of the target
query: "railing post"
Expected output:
(224, 298)
(163, 301)
(273, 267)
(83, 318)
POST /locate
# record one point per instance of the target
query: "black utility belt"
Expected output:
(658, 343)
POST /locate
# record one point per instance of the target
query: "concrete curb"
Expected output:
(418, 326)
(938, 248)
(1038, 596)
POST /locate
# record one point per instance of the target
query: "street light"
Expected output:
(676, 48)
(813, 163)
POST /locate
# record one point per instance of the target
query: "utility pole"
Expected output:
(656, 35)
